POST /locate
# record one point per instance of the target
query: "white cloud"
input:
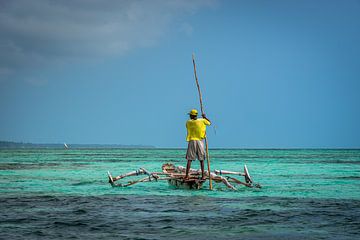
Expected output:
(43, 31)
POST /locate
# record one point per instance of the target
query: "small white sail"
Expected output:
(66, 146)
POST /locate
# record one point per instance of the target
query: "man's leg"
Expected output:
(202, 170)
(190, 155)
(188, 165)
(201, 157)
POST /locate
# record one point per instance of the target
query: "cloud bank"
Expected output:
(46, 31)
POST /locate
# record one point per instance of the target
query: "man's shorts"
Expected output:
(195, 150)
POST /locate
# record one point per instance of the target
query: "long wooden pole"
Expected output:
(202, 112)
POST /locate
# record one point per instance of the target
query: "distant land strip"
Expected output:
(7, 144)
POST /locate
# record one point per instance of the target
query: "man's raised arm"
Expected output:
(204, 116)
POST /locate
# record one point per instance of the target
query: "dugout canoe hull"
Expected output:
(186, 184)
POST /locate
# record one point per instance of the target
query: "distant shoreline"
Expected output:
(20, 145)
(8, 144)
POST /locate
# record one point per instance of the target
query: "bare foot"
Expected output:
(203, 178)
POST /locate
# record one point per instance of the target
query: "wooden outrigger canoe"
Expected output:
(175, 176)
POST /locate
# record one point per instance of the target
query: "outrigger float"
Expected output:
(175, 176)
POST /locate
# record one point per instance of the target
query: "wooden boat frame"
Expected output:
(176, 177)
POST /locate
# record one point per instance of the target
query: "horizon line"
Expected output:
(149, 146)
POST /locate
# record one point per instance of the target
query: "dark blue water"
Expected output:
(161, 217)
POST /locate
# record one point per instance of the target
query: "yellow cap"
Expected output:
(193, 112)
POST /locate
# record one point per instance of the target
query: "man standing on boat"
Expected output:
(196, 132)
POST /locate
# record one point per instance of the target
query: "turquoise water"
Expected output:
(305, 193)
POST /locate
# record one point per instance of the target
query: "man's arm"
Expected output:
(204, 116)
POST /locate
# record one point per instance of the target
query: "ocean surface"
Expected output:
(65, 194)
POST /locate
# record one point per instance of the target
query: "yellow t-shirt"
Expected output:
(196, 129)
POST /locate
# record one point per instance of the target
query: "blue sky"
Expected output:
(274, 74)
